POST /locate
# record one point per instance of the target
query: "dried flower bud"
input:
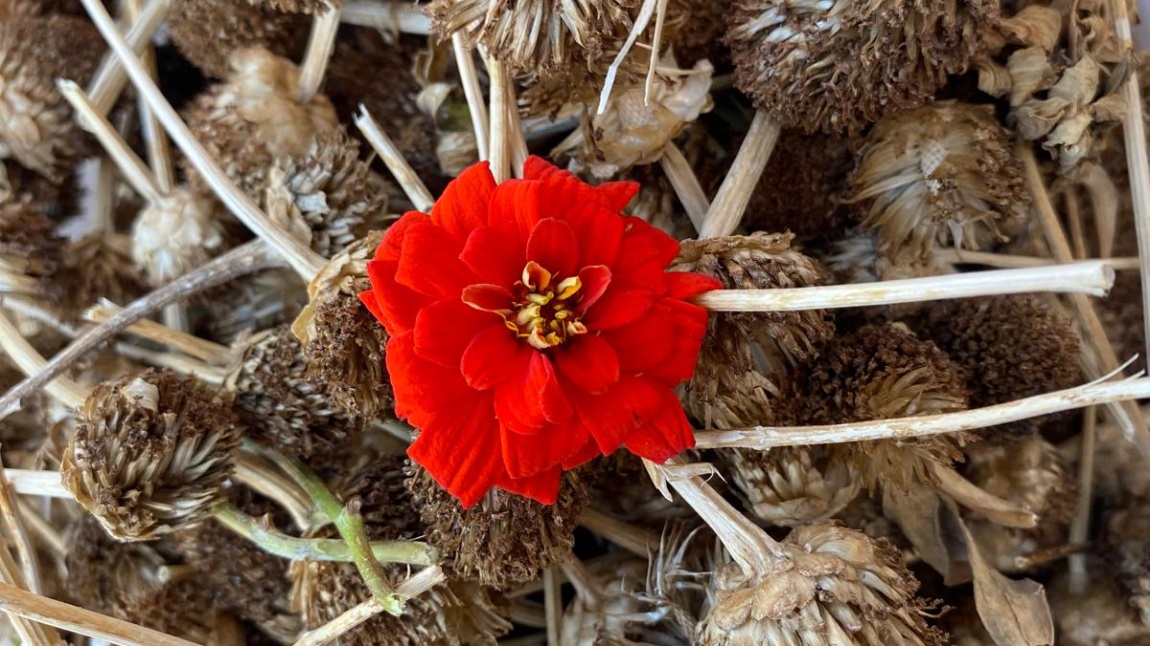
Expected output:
(343, 343)
(1005, 348)
(940, 175)
(37, 127)
(257, 302)
(284, 408)
(838, 586)
(208, 31)
(150, 454)
(882, 372)
(99, 266)
(792, 486)
(451, 613)
(174, 235)
(505, 539)
(255, 117)
(109, 576)
(30, 250)
(836, 66)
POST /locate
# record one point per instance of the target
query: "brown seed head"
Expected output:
(257, 302)
(310, 7)
(940, 175)
(838, 586)
(175, 235)
(840, 65)
(208, 31)
(150, 454)
(109, 576)
(99, 266)
(504, 540)
(792, 486)
(30, 249)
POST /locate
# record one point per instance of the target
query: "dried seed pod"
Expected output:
(504, 540)
(792, 486)
(106, 575)
(285, 409)
(882, 372)
(207, 32)
(176, 234)
(255, 117)
(1005, 348)
(99, 266)
(30, 250)
(36, 126)
(838, 586)
(451, 613)
(150, 454)
(343, 343)
(940, 175)
(257, 302)
(835, 66)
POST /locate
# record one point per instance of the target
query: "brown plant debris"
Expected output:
(150, 454)
(30, 249)
(792, 486)
(209, 31)
(99, 266)
(310, 7)
(176, 234)
(109, 576)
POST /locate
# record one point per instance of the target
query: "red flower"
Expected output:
(533, 327)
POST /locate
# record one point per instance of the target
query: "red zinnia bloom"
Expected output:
(533, 327)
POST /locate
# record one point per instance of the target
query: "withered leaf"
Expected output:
(916, 512)
(1030, 72)
(994, 79)
(1034, 26)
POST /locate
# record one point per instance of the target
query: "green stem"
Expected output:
(319, 549)
(347, 522)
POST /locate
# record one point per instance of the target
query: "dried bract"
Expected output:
(207, 32)
(174, 235)
(30, 250)
(792, 486)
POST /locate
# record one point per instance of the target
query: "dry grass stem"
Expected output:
(735, 192)
(991, 507)
(29, 631)
(634, 539)
(530, 613)
(500, 143)
(209, 351)
(403, 173)
(14, 521)
(264, 478)
(1079, 576)
(518, 140)
(159, 149)
(641, 21)
(48, 536)
(1008, 261)
(386, 15)
(111, 78)
(767, 437)
(29, 361)
(686, 185)
(469, 79)
(1094, 277)
(27, 482)
(320, 45)
(553, 603)
(305, 261)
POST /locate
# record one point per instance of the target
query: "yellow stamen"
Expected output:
(568, 287)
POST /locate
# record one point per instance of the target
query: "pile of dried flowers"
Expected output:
(603, 322)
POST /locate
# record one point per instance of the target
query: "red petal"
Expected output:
(612, 417)
(464, 458)
(494, 357)
(463, 206)
(494, 256)
(367, 297)
(646, 343)
(618, 307)
(487, 298)
(535, 167)
(645, 254)
(594, 280)
(600, 234)
(391, 245)
(685, 284)
(616, 195)
(527, 455)
(515, 209)
(398, 305)
(552, 244)
(589, 452)
(589, 362)
(542, 487)
(424, 391)
(443, 330)
(528, 404)
(666, 435)
(689, 322)
(430, 263)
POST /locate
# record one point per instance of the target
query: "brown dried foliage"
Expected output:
(30, 249)
(208, 31)
(792, 486)
(107, 575)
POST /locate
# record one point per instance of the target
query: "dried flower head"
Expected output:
(1095, 616)
(36, 126)
(207, 32)
(257, 302)
(617, 609)
(310, 7)
(343, 343)
(30, 250)
(176, 234)
(284, 408)
(150, 454)
(255, 117)
(792, 486)
(99, 266)
(1005, 348)
(883, 372)
(1127, 539)
(838, 586)
(107, 575)
(841, 65)
(504, 540)
(701, 35)
(940, 175)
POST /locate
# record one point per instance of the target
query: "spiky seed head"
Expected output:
(107, 575)
(30, 249)
(150, 454)
(792, 486)
(176, 234)
(99, 266)
(207, 32)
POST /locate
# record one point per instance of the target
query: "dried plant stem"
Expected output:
(320, 45)
(387, 15)
(301, 257)
(530, 613)
(318, 549)
(404, 174)
(110, 78)
(656, 47)
(1091, 277)
(29, 361)
(209, 351)
(1098, 354)
(1080, 526)
(500, 144)
(130, 164)
(264, 478)
(969, 495)
(1007, 261)
(518, 140)
(43, 530)
(686, 184)
(14, 521)
(419, 583)
(634, 539)
(735, 192)
(469, 79)
(553, 603)
(159, 150)
(905, 428)
(28, 482)
(642, 19)
(78, 620)
(245, 259)
(30, 632)
(585, 587)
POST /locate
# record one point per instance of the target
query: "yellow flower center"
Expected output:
(543, 313)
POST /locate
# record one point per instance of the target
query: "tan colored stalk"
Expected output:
(159, 149)
(686, 184)
(585, 587)
(734, 194)
(518, 140)
(905, 428)
(656, 47)
(1078, 573)
(1093, 277)
(209, 351)
(45, 533)
(529, 613)
(263, 478)
(641, 21)
(14, 522)
(500, 144)
(300, 256)
(30, 632)
(1102, 359)
(989, 506)
(469, 79)
(110, 78)
(553, 603)
(403, 173)
(29, 361)
(320, 45)
(28, 482)
(387, 15)
(1007, 261)
(80, 621)
(634, 539)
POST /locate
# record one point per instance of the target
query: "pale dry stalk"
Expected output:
(320, 45)
(469, 79)
(735, 192)
(631, 538)
(29, 631)
(14, 521)
(500, 143)
(29, 361)
(403, 17)
(1008, 261)
(686, 185)
(159, 148)
(110, 78)
(402, 171)
(553, 603)
(208, 351)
